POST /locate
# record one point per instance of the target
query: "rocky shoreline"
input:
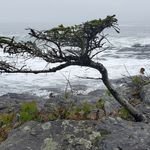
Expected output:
(110, 131)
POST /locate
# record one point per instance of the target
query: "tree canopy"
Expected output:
(67, 45)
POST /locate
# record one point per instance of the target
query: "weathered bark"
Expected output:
(134, 112)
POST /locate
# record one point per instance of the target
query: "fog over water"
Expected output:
(133, 12)
(133, 18)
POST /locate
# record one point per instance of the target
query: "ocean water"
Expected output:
(128, 52)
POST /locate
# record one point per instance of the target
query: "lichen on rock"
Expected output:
(85, 142)
(49, 144)
(94, 135)
(46, 126)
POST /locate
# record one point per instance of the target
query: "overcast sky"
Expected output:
(133, 12)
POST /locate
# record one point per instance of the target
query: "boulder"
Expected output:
(11, 102)
(145, 94)
(108, 134)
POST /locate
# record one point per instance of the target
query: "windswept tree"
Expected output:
(66, 46)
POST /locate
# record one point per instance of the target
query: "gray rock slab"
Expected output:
(145, 94)
(108, 134)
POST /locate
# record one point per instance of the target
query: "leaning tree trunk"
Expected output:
(134, 112)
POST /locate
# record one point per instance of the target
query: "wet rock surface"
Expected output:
(145, 94)
(11, 102)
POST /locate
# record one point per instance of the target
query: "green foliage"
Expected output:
(62, 113)
(52, 117)
(77, 35)
(100, 104)
(124, 113)
(28, 111)
(86, 108)
(137, 80)
(44, 117)
(25, 116)
(67, 95)
(6, 119)
(77, 109)
(108, 93)
(4, 133)
(79, 112)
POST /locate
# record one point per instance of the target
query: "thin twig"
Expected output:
(68, 83)
(127, 71)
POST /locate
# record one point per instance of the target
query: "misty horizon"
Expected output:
(68, 12)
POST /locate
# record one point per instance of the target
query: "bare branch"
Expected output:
(68, 83)
(104, 49)
(4, 67)
(7, 68)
